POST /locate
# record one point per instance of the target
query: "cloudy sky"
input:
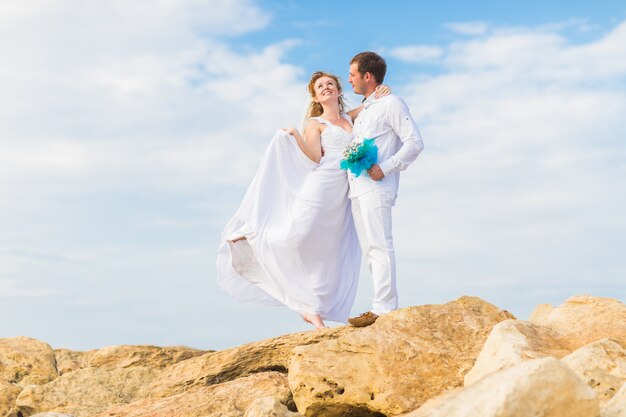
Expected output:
(129, 131)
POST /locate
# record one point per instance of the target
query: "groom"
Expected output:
(388, 121)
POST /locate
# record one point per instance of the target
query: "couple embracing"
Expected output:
(297, 237)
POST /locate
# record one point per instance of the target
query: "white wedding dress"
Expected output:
(301, 249)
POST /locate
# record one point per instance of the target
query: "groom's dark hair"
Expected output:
(373, 63)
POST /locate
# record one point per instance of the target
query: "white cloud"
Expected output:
(124, 95)
(117, 119)
(520, 178)
(417, 53)
(468, 28)
(543, 55)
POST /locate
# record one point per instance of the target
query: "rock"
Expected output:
(72, 360)
(25, 361)
(395, 365)
(584, 319)
(269, 407)
(8, 394)
(227, 365)
(617, 406)
(433, 404)
(113, 357)
(543, 387)
(230, 399)
(87, 391)
(602, 365)
(512, 342)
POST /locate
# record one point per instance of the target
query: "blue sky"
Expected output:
(129, 131)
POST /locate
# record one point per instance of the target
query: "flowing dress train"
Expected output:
(301, 249)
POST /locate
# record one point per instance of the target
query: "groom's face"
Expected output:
(356, 79)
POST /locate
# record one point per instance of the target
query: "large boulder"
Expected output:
(540, 388)
(584, 319)
(512, 342)
(602, 365)
(26, 361)
(227, 365)
(395, 365)
(617, 406)
(125, 356)
(87, 391)
(230, 399)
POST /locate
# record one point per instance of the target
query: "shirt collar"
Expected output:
(370, 100)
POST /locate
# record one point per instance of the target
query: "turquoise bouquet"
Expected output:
(359, 156)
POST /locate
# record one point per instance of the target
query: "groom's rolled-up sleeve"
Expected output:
(404, 126)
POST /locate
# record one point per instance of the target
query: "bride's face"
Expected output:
(326, 90)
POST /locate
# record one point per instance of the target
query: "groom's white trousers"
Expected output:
(372, 219)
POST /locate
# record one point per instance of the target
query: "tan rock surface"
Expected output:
(230, 399)
(540, 388)
(72, 360)
(87, 391)
(24, 361)
(226, 365)
(512, 342)
(8, 394)
(395, 365)
(269, 407)
(126, 356)
(584, 319)
(616, 407)
(602, 365)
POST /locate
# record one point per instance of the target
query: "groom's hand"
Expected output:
(376, 173)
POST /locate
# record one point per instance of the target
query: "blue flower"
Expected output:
(359, 156)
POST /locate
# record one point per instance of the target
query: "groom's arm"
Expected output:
(403, 124)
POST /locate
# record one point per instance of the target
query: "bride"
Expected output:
(292, 241)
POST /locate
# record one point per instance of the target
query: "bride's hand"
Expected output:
(291, 130)
(382, 91)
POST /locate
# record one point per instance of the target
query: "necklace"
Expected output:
(335, 120)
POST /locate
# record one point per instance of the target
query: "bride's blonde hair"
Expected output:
(315, 108)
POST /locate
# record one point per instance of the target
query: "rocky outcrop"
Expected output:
(26, 361)
(549, 334)
(602, 365)
(463, 358)
(540, 387)
(113, 357)
(395, 365)
(87, 391)
(227, 365)
(230, 399)
(584, 319)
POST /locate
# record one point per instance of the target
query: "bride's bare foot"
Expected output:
(314, 319)
(238, 239)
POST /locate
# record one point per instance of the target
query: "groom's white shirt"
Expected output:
(389, 122)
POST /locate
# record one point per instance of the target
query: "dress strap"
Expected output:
(322, 120)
